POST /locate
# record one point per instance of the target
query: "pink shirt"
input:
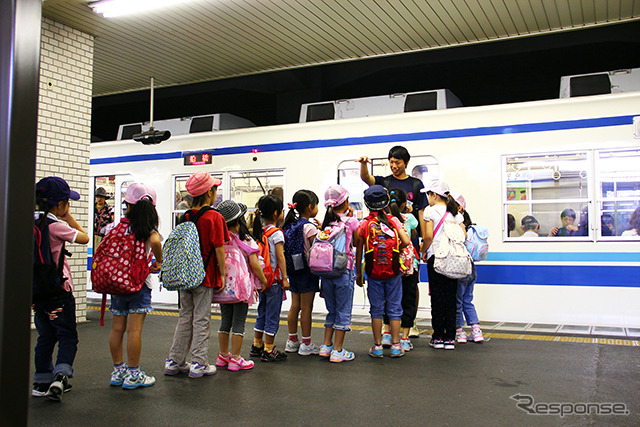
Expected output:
(59, 233)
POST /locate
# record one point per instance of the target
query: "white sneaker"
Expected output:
(140, 380)
(307, 350)
(172, 368)
(198, 371)
(476, 335)
(292, 346)
(461, 336)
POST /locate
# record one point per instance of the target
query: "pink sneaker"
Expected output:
(222, 360)
(239, 364)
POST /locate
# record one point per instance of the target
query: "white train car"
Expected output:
(537, 158)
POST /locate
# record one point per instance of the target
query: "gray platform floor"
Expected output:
(471, 385)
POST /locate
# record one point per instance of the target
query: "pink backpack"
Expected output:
(120, 266)
(239, 282)
(328, 256)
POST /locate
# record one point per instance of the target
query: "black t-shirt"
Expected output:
(412, 187)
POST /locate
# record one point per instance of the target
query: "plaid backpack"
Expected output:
(182, 264)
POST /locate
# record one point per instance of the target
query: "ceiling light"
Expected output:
(113, 8)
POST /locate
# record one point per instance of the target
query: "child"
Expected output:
(383, 238)
(55, 320)
(304, 285)
(268, 320)
(234, 316)
(530, 226)
(129, 311)
(464, 296)
(397, 205)
(192, 331)
(338, 293)
(441, 208)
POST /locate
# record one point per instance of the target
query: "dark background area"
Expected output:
(515, 70)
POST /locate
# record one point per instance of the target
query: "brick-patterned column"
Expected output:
(64, 128)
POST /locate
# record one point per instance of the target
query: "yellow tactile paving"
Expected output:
(497, 335)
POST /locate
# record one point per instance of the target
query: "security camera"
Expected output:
(152, 136)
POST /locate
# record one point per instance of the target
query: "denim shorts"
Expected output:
(304, 282)
(138, 302)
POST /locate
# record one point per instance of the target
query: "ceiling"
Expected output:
(204, 40)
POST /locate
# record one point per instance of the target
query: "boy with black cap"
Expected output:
(55, 319)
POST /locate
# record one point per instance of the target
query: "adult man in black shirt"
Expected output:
(398, 161)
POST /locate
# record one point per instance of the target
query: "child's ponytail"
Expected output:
(397, 197)
(257, 225)
(143, 217)
(330, 216)
(452, 205)
(301, 200)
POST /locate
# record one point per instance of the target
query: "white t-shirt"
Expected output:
(435, 213)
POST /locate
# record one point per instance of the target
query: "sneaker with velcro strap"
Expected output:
(198, 371)
(59, 385)
(341, 356)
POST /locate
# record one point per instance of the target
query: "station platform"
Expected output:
(513, 378)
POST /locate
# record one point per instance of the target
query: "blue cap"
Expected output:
(55, 189)
(376, 197)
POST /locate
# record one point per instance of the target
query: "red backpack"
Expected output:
(120, 266)
(382, 249)
(269, 273)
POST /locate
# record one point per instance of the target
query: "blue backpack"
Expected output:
(476, 242)
(182, 265)
(294, 254)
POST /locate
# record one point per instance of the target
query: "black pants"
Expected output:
(443, 303)
(409, 304)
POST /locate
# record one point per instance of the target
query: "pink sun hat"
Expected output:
(138, 191)
(201, 182)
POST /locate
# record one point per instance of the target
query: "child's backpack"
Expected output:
(476, 242)
(451, 256)
(120, 266)
(182, 265)
(294, 254)
(382, 249)
(263, 245)
(238, 284)
(407, 258)
(328, 255)
(48, 279)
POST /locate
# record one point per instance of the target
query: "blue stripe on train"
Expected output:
(380, 139)
(555, 275)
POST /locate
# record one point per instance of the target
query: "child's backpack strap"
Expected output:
(277, 273)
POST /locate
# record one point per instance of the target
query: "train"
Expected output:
(509, 161)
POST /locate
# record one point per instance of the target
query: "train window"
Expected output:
(618, 194)
(182, 198)
(247, 187)
(547, 195)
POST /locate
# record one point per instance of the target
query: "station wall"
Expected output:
(64, 128)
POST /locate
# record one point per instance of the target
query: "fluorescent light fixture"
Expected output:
(113, 8)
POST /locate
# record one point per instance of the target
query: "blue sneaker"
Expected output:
(117, 376)
(376, 350)
(396, 350)
(406, 344)
(325, 350)
(386, 340)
